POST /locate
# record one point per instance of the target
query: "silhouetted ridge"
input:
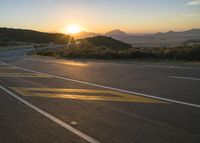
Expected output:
(30, 36)
(103, 41)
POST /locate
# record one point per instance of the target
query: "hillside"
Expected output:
(103, 41)
(30, 36)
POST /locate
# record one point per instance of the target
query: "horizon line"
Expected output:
(103, 32)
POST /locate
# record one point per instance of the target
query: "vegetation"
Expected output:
(8, 35)
(97, 51)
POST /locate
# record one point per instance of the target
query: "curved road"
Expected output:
(54, 100)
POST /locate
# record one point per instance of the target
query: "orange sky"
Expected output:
(132, 16)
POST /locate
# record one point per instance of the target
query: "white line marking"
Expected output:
(51, 117)
(187, 78)
(173, 67)
(136, 65)
(111, 88)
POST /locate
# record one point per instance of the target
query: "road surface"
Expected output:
(61, 101)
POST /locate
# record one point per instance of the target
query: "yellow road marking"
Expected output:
(22, 75)
(81, 94)
(16, 74)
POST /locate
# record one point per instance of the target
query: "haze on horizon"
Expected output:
(100, 16)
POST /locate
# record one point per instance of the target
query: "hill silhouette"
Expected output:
(103, 41)
(30, 36)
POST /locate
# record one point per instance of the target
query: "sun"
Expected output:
(72, 29)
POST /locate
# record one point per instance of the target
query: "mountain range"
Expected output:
(168, 39)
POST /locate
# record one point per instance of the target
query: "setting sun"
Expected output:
(72, 29)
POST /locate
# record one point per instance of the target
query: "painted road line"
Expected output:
(186, 78)
(20, 75)
(172, 67)
(51, 117)
(125, 64)
(82, 94)
(112, 88)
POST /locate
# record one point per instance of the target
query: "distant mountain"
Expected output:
(103, 41)
(116, 34)
(30, 36)
(193, 31)
(188, 32)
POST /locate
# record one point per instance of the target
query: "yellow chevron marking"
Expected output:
(84, 94)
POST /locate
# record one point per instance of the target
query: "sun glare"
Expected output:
(72, 29)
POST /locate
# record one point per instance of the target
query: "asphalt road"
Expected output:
(54, 101)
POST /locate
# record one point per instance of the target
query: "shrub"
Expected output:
(102, 52)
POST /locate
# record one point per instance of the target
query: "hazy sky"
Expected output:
(138, 16)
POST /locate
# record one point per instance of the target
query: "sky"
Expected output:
(132, 16)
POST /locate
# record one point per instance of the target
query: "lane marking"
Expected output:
(136, 65)
(112, 88)
(51, 117)
(172, 67)
(82, 94)
(186, 78)
(23, 75)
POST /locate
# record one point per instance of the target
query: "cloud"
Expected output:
(193, 3)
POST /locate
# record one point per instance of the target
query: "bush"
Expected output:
(102, 52)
